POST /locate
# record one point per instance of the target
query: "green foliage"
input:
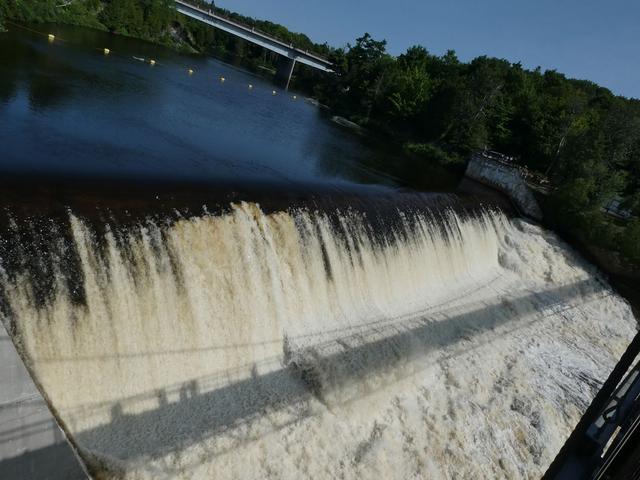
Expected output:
(366, 65)
(630, 241)
(409, 93)
(28, 10)
(148, 19)
(408, 86)
(76, 12)
(123, 16)
(632, 202)
(432, 153)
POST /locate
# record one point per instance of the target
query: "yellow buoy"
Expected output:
(222, 79)
(295, 97)
(107, 51)
(51, 37)
(250, 86)
(152, 62)
(190, 71)
(273, 92)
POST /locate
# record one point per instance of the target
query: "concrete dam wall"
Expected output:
(507, 179)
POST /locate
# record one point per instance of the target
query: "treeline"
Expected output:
(576, 134)
(78, 12)
(146, 19)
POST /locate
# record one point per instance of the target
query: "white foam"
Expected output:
(224, 347)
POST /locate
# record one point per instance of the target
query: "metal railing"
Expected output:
(253, 30)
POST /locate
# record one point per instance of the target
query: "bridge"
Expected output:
(288, 53)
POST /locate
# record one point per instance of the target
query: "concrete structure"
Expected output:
(32, 445)
(290, 55)
(614, 208)
(501, 175)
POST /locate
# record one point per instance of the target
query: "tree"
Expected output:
(360, 84)
(629, 241)
(123, 16)
(410, 90)
(408, 85)
(157, 16)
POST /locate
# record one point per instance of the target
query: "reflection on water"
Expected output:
(68, 109)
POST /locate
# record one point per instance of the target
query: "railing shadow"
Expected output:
(319, 371)
(24, 425)
(48, 463)
(328, 367)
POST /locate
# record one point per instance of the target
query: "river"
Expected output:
(322, 321)
(67, 109)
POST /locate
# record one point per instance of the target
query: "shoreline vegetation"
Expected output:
(579, 137)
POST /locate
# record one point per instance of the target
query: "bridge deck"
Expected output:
(253, 36)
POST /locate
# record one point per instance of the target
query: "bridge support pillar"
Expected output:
(284, 71)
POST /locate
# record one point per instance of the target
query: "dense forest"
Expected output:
(575, 135)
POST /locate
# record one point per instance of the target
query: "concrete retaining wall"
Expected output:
(32, 445)
(507, 179)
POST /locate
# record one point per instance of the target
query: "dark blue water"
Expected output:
(67, 109)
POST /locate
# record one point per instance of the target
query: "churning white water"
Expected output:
(285, 345)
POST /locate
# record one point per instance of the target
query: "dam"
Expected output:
(403, 339)
(203, 280)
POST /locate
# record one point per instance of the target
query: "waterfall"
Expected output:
(311, 344)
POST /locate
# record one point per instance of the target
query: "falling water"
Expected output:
(306, 344)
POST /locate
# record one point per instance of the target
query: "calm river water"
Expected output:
(67, 109)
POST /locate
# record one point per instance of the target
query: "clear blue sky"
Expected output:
(597, 40)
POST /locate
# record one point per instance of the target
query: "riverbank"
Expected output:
(623, 276)
(176, 39)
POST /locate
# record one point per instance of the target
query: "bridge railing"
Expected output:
(254, 30)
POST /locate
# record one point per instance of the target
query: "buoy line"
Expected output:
(106, 51)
